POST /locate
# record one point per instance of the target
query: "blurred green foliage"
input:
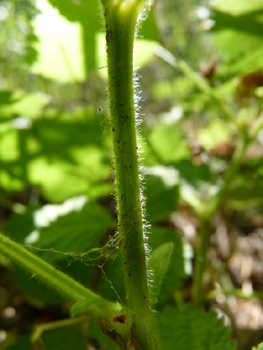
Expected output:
(56, 177)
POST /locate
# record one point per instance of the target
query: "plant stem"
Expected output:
(120, 28)
(40, 329)
(201, 261)
(54, 278)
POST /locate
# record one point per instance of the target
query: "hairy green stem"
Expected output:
(121, 18)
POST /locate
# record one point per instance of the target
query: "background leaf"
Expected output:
(192, 328)
(41, 150)
(65, 339)
(167, 143)
(22, 343)
(76, 225)
(161, 192)
(238, 7)
(63, 235)
(241, 44)
(259, 347)
(173, 278)
(246, 190)
(160, 261)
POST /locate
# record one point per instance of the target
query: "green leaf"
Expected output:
(160, 261)
(34, 289)
(246, 189)
(240, 44)
(82, 11)
(76, 225)
(86, 13)
(194, 175)
(6, 97)
(192, 180)
(161, 192)
(217, 132)
(65, 339)
(149, 28)
(22, 343)
(24, 104)
(69, 51)
(168, 143)
(63, 234)
(112, 285)
(238, 7)
(258, 347)
(70, 150)
(59, 48)
(67, 179)
(192, 328)
(60, 339)
(173, 278)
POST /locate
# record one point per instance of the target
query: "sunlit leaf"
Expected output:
(59, 47)
(71, 45)
(70, 150)
(259, 347)
(26, 104)
(240, 43)
(215, 133)
(168, 143)
(238, 7)
(149, 29)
